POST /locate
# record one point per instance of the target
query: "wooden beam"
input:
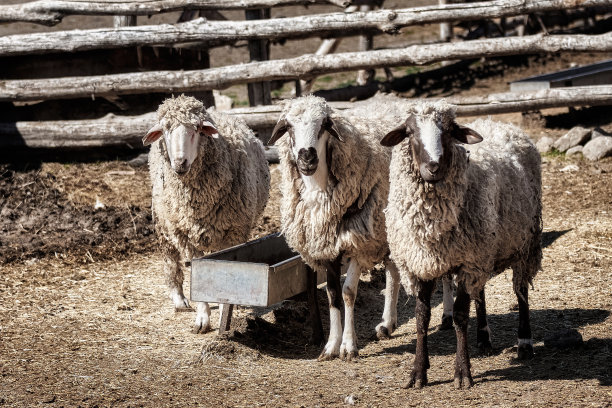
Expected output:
(325, 25)
(51, 12)
(113, 131)
(301, 67)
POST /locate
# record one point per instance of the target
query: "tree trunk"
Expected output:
(288, 69)
(217, 33)
(120, 130)
(51, 12)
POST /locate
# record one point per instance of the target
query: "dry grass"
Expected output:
(102, 334)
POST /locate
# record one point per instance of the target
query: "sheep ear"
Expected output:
(466, 135)
(153, 134)
(208, 129)
(280, 129)
(332, 127)
(395, 136)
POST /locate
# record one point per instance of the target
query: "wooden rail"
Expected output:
(294, 68)
(217, 33)
(114, 131)
(51, 12)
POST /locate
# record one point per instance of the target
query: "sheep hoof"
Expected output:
(200, 328)
(416, 381)
(525, 352)
(485, 348)
(447, 322)
(382, 332)
(349, 356)
(327, 356)
(463, 382)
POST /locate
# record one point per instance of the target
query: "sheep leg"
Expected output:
(447, 302)
(525, 343)
(389, 323)
(461, 315)
(348, 349)
(313, 306)
(202, 321)
(483, 333)
(418, 377)
(332, 348)
(174, 274)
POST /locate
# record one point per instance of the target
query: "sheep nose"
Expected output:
(181, 166)
(308, 156)
(433, 166)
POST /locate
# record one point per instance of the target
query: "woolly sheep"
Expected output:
(468, 214)
(210, 183)
(334, 180)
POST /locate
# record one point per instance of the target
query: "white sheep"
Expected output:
(210, 183)
(469, 214)
(334, 183)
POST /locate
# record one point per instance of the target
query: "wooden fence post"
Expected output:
(259, 50)
(366, 43)
(446, 29)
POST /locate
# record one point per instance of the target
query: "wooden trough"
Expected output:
(258, 273)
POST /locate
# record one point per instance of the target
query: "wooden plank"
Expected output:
(240, 283)
(51, 12)
(323, 25)
(303, 66)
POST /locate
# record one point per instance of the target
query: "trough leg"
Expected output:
(461, 315)
(389, 323)
(483, 333)
(226, 317)
(332, 348)
(418, 377)
(313, 306)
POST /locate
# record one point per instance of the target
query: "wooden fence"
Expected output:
(203, 34)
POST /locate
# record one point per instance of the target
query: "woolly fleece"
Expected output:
(359, 169)
(216, 203)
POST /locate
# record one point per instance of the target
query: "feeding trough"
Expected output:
(257, 273)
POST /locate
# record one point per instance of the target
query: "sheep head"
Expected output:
(431, 130)
(181, 121)
(309, 122)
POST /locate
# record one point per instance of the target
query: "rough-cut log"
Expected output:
(301, 67)
(51, 12)
(325, 25)
(113, 131)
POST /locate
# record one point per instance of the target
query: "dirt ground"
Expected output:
(85, 319)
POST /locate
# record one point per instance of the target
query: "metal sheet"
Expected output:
(599, 73)
(239, 283)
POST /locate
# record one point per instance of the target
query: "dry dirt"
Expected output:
(85, 319)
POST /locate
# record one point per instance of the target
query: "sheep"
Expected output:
(334, 183)
(470, 215)
(210, 183)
